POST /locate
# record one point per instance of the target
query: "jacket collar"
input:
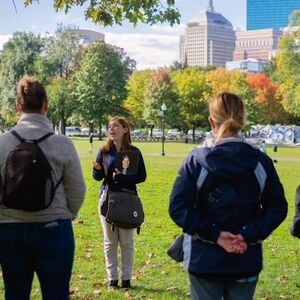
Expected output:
(31, 119)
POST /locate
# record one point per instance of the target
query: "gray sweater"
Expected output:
(64, 161)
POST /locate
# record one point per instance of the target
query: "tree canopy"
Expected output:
(100, 83)
(108, 12)
(18, 58)
(287, 67)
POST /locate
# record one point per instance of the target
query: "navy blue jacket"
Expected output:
(120, 181)
(253, 216)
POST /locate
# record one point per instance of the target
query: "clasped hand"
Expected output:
(232, 243)
(96, 165)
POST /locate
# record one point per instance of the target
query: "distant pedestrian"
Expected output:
(263, 147)
(91, 137)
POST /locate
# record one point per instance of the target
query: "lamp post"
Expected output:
(163, 109)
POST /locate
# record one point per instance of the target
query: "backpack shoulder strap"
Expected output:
(21, 139)
(201, 178)
(44, 137)
(261, 176)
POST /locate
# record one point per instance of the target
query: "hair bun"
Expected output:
(29, 89)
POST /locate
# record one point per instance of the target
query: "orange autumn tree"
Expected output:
(268, 99)
(221, 80)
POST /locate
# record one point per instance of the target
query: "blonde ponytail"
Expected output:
(227, 110)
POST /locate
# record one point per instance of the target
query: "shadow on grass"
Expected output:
(163, 293)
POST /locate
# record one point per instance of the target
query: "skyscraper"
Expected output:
(264, 14)
(258, 44)
(209, 39)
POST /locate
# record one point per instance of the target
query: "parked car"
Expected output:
(139, 135)
(199, 135)
(85, 131)
(156, 133)
(72, 131)
(175, 134)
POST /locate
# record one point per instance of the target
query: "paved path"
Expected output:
(286, 158)
(184, 155)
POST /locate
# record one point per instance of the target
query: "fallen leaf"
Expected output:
(172, 288)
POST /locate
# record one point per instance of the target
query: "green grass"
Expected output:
(156, 276)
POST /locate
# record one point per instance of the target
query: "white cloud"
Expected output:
(167, 29)
(3, 40)
(70, 18)
(148, 50)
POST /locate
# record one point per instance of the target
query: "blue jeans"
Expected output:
(44, 248)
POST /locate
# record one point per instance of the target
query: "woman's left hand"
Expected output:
(117, 172)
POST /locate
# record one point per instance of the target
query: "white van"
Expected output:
(72, 130)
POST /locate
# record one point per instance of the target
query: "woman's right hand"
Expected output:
(96, 165)
(232, 243)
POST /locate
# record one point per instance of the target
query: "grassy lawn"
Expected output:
(155, 275)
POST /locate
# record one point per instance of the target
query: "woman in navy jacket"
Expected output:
(104, 168)
(229, 209)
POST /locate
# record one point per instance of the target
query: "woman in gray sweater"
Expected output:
(38, 239)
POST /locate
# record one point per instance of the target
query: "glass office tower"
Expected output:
(264, 14)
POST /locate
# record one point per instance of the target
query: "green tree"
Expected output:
(61, 104)
(221, 80)
(107, 12)
(158, 91)
(193, 90)
(135, 102)
(270, 69)
(17, 59)
(100, 84)
(62, 54)
(176, 65)
(56, 68)
(288, 64)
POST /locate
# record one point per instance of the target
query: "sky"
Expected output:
(150, 46)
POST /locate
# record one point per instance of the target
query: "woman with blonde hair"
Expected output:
(227, 198)
(119, 140)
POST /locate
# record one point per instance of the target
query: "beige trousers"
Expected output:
(112, 239)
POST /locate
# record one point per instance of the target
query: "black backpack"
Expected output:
(222, 197)
(28, 181)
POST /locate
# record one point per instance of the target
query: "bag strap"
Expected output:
(105, 163)
(37, 141)
(58, 183)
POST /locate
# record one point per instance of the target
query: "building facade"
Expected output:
(249, 65)
(209, 39)
(256, 44)
(263, 14)
(88, 36)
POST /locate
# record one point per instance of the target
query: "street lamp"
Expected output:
(163, 109)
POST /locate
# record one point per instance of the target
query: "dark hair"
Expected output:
(126, 142)
(227, 110)
(30, 94)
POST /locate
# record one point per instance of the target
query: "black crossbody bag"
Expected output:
(124, 208)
